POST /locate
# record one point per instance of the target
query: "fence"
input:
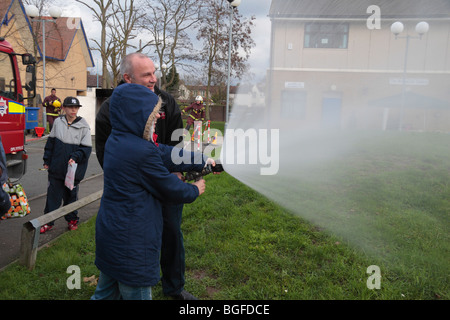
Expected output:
(31, 229)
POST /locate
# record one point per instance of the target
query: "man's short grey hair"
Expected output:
(126, 66)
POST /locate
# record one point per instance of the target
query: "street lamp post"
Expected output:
(396, 29)
(158, 75)
(163, 76)
(33, 12)
(233, 4)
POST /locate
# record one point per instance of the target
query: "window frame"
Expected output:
(336, 35)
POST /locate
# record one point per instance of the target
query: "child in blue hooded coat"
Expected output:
(137, 177)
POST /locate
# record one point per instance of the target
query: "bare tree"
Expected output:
(121, 29)
(214, 34)
(169, 22)
(102, 12)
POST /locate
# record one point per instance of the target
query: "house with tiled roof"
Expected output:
(337, 64)
(67, 52)
(94, 80)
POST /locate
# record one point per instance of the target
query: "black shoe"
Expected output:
(184, 295)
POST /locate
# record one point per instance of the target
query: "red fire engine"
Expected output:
(12, 108)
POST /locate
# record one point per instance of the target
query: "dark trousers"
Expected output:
(50, 121)
(57, 192)
(172, 250)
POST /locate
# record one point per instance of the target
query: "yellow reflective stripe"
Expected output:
(15, 107)
(52, 114)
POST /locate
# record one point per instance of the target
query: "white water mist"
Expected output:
(351, 123)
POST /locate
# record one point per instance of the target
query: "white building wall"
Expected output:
(87, 110)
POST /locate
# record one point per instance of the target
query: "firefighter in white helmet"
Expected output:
(196, 112)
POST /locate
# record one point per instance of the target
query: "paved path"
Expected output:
(11, 229)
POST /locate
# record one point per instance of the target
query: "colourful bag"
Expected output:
(19, 201)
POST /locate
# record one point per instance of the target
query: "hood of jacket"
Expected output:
(79, 122)
(133, 109)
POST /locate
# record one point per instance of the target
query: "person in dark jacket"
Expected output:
(5, 202)
(69, 142)
(52, 105)
(137, 178)
(140, 69)
(169, 122)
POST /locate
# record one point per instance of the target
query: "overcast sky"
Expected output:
(259, 58)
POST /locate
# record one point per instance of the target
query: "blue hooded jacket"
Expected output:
(5, 202)
(137, 179)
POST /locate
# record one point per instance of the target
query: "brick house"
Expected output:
(67, 50)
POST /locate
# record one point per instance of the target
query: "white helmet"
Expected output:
(199, 98)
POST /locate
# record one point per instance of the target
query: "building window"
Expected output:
(7, 79)
(326, 35)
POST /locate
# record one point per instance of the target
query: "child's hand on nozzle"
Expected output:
(200, 184)
(211, 162)
(179, 175)
(218, 167)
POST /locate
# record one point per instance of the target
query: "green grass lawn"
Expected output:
(240, 245)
